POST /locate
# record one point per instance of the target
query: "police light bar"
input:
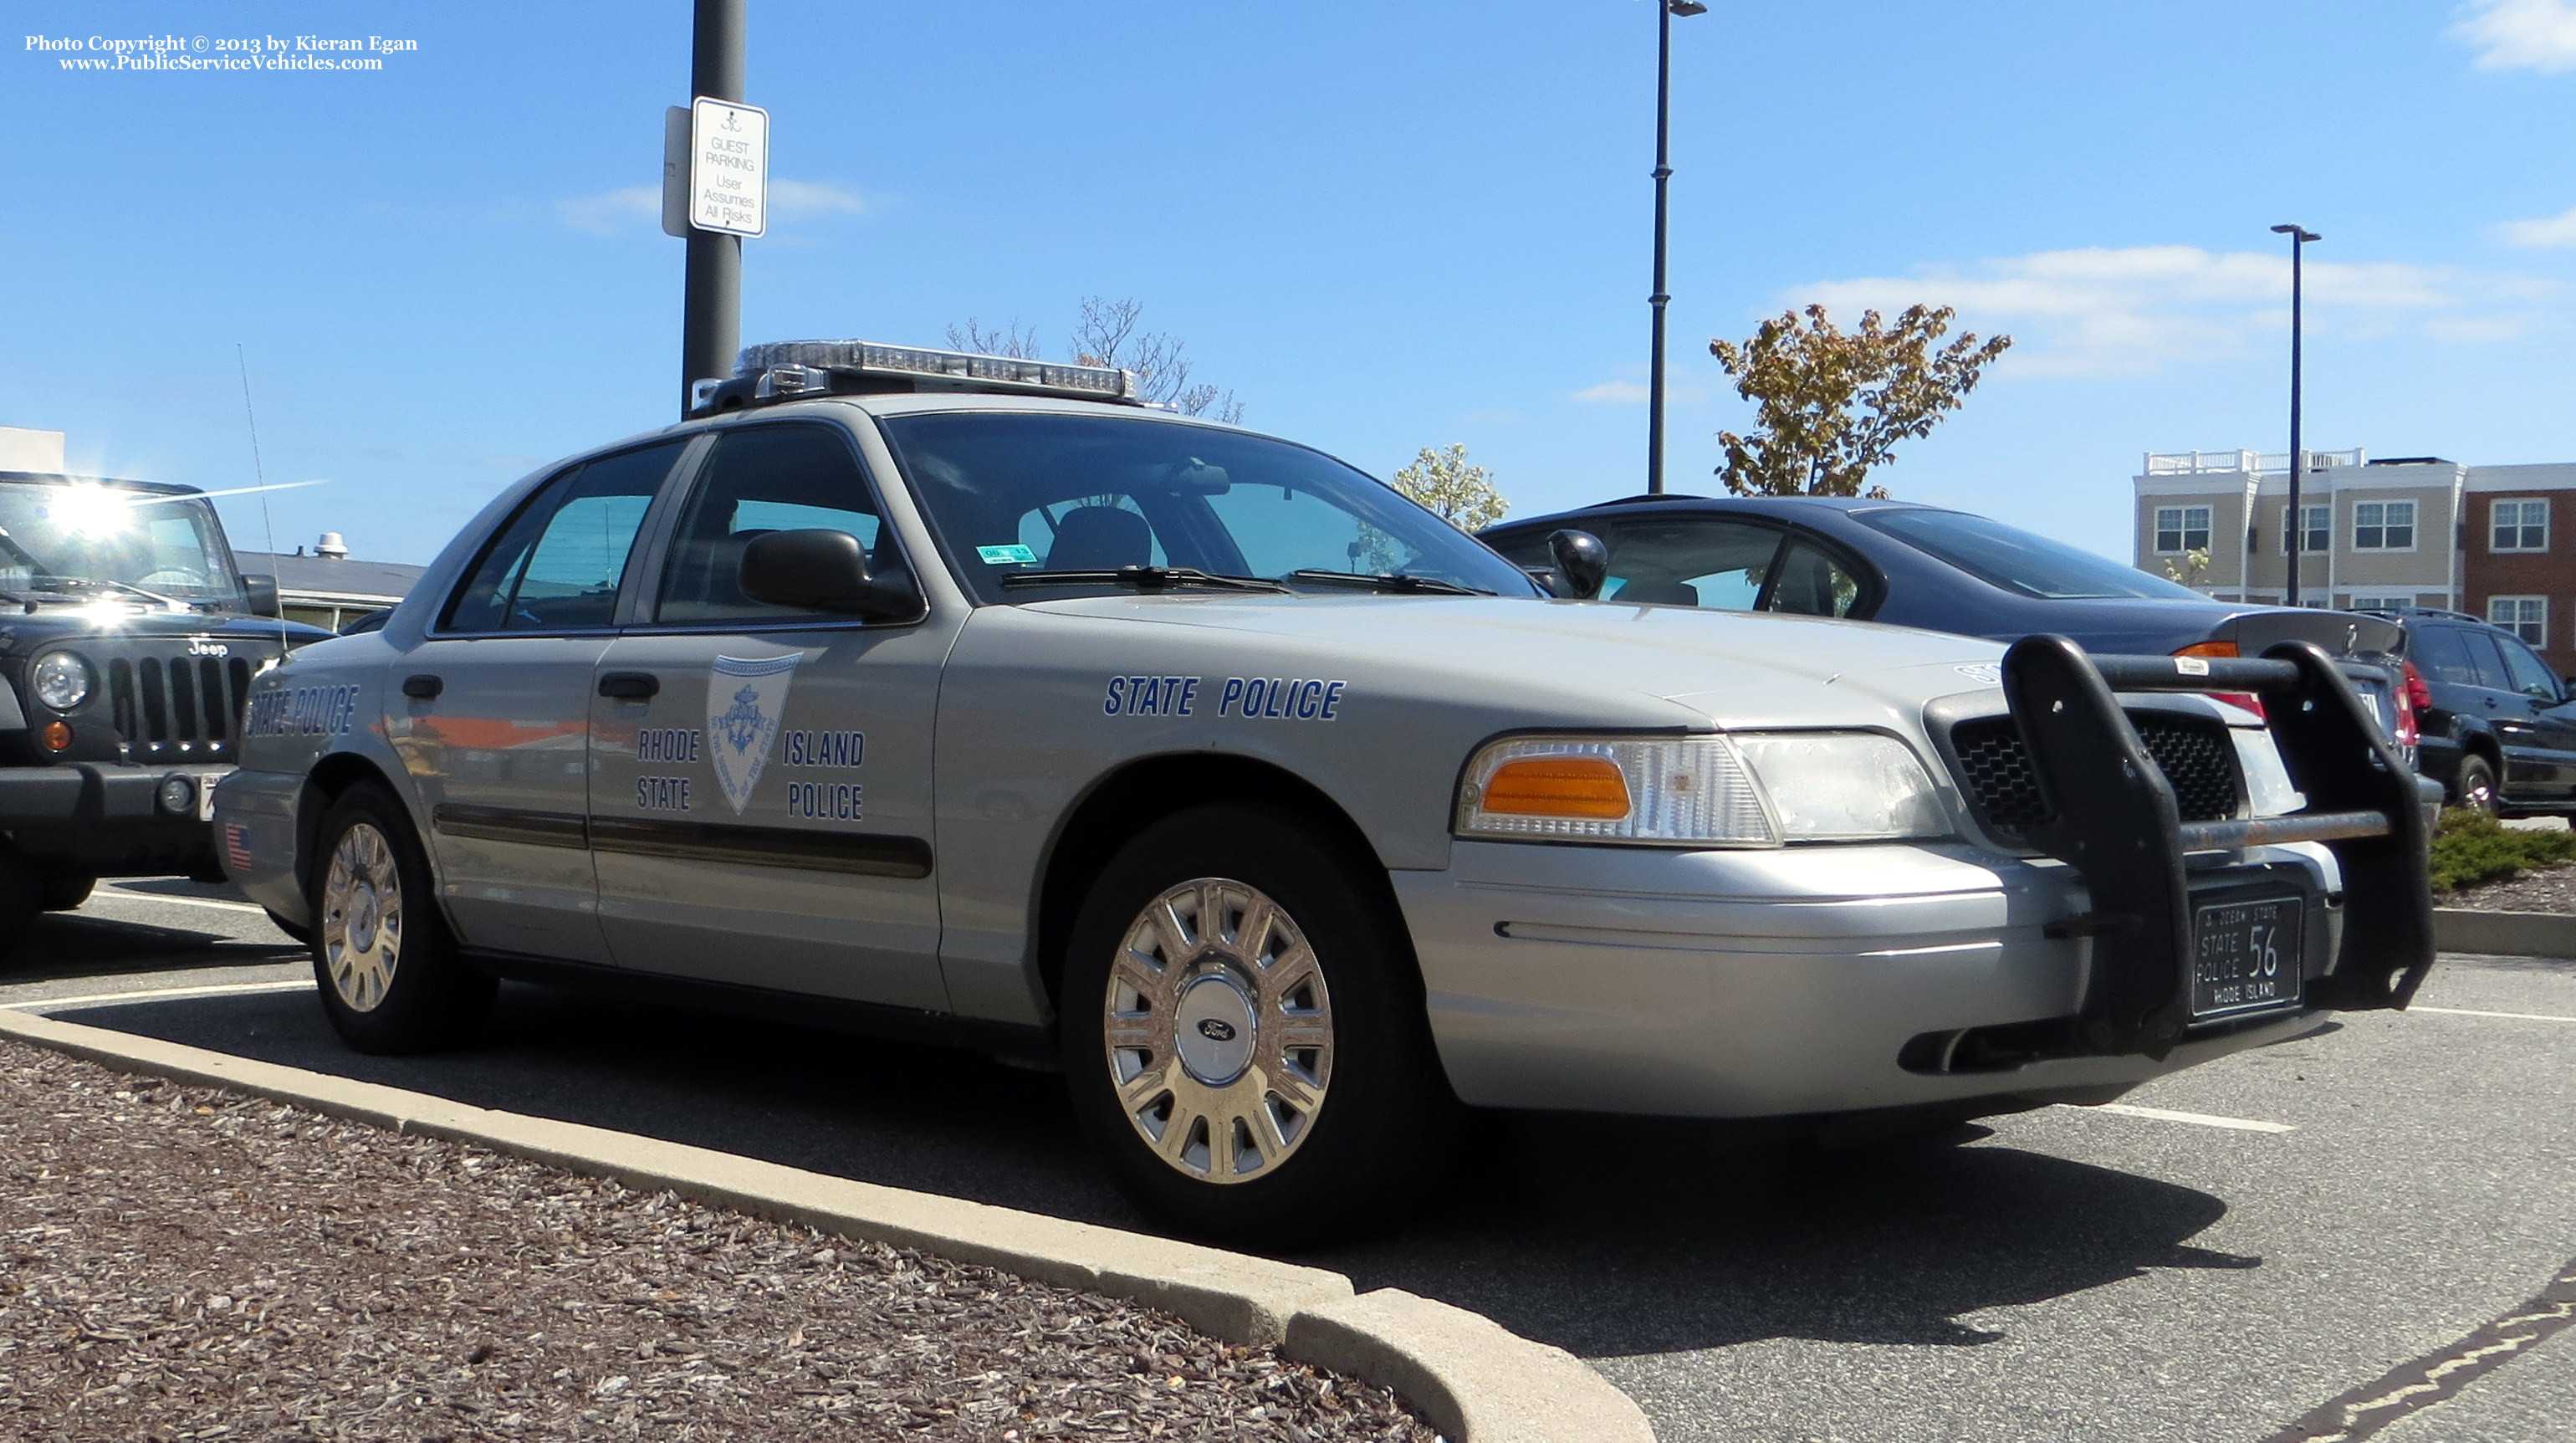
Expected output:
(799, 368)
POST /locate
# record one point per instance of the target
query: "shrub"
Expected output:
(2470, 847)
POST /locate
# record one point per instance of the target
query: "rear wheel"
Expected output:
(1244, 1034)
(388, 969)
(60, 893)
(2476, 785)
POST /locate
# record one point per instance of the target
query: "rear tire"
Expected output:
(387, 967)
(59, 893)
(2475, 787)
(1244, 1036)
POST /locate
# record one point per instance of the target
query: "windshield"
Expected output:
(77, 538)
(2016, 560)
(1020, 493)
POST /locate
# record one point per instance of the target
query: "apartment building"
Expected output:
(2495, 541)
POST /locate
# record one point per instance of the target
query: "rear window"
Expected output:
(2016, 560)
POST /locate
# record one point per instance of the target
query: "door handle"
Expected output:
(630, 685)
(423, 687)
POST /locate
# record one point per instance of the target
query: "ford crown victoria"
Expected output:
(960, 696)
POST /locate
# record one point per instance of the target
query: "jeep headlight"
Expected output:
(1747, 789)
(62, 679)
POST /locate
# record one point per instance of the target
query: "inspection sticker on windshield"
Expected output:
(1007, 555)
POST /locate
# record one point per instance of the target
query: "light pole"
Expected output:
(2299, 238)
(711, 294)
(1665, 10)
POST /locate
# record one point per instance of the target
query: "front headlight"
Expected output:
(1742, 790)
(61, 679)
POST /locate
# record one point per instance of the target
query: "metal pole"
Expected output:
(711, 308)
(1663, 173)
(2298, 518)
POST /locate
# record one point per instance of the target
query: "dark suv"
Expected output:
(2499, 727)
(128, 640)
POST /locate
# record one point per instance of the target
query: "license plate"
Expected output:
(206, 795)
(2245, 957)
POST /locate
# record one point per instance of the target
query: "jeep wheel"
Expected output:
(21, 899)
(2476, 785)
(388, 970)
(1244, 1034)
(60, 893)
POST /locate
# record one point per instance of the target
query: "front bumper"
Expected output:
(103, 818)
(1772, 983)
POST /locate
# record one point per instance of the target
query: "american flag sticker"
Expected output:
(237, 846)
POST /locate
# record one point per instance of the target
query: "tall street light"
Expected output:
(2299, 238)
(1665, 10)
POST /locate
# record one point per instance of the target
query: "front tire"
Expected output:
(386, 965)
(61, 893)
(1245, 1042)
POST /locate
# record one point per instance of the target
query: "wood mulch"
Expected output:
(186, 1263)
(2549, 890)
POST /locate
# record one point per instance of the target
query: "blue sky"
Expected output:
(1384, 226)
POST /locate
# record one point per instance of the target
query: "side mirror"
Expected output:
(1582, 563)
(819, 570)
(261, 592)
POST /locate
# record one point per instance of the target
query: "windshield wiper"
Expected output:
(172, 602)
(1395, 581)
(1142, 578)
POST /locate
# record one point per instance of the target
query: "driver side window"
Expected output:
(557, 565)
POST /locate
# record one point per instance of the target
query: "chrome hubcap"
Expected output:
(1219, 1031)
(362, 918)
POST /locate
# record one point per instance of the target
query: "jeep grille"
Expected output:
(178, 708)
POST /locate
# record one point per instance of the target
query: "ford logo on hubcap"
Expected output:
(1216, 1029)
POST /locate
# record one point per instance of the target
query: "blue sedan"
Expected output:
(1928, 567)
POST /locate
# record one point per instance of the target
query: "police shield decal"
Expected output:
(745, 700)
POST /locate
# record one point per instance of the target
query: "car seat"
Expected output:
(1100, 538)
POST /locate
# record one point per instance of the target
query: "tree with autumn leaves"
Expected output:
(1829, 404)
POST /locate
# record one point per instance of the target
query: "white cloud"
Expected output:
(614, 211)
(2136, 308)
(1615, 393)
(617, 211)
(795, 199)
(2556, 230)
(2520, 34)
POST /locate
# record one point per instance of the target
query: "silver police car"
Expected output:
(926, 693)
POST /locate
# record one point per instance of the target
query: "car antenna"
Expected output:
(259, 476)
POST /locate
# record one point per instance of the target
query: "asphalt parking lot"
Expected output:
(2248, 1244)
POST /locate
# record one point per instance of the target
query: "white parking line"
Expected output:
(187, 901)
(2473, 1012)
(230, 989)
(2197, 1119)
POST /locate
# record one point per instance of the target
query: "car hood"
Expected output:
(1732, 669)
(55, 623)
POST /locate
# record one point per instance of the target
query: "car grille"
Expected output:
(178, 708)
(2196, 757)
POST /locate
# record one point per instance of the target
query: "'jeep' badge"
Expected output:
(745, 700)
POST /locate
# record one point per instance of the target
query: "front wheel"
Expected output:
(61, 893)
(1244, 1034)
(388, 969)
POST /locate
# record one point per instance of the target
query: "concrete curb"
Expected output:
(2504, 934)
(1476, 1381)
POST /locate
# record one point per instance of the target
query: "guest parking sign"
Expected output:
(728, 167)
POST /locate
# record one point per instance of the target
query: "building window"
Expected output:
(2383, 526)
(2525, 616)
(2382, 603)
(2180, 529)
(2317, 538)
(2519, 526)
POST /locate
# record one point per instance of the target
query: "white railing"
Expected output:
(2204, 463)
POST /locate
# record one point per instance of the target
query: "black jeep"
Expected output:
(128, 639)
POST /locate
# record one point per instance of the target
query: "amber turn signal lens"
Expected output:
(2208, 648)
(1558, 787)
(57, 735)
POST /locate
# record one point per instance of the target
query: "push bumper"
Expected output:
(107, 819)
(1838, 979)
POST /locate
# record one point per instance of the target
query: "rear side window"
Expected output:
(2440, 652)
(557, 565)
